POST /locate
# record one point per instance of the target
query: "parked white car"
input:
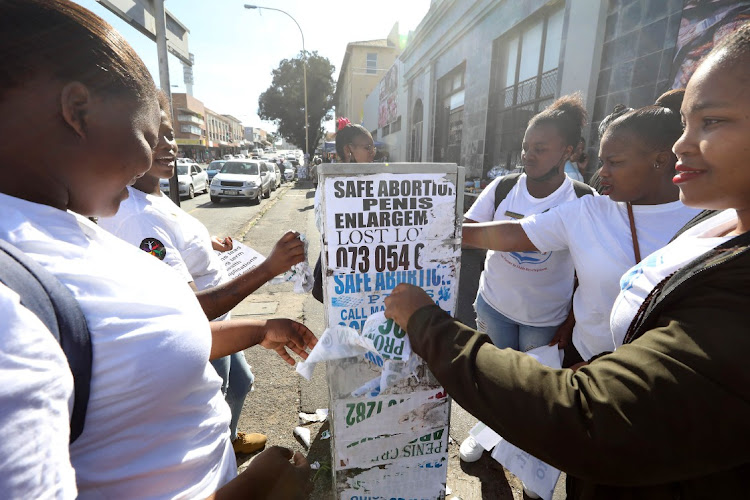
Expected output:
(242, 179)
(278, 177)
(191, 179)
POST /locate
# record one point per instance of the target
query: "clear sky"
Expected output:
(236, 49)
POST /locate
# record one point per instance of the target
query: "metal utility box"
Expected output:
(383, 224)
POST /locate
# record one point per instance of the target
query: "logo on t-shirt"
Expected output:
(154, 247)
(529, 258)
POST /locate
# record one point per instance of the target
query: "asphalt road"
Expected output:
(280, 394)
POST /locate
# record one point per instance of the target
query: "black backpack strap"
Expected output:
(504, 187)
(581, 189)
(508, 181)
(55, 306)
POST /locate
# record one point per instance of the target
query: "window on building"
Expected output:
(523, 82)
(374, 134)
(372, 62)
(190, 129)
(416, 131)
(396, 126)
(449, 121)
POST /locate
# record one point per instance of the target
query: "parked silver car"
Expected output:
(246, 179)
(191, 179)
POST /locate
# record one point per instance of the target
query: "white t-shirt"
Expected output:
(149, 221)
(157, 425)
(531, 288)
(36, 400)
(573, 172)
(596, 230)
(641, 279)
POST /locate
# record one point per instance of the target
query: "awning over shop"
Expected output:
(191, 142)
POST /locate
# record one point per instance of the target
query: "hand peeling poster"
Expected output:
(385, 229)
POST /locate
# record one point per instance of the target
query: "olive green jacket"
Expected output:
(666, 416)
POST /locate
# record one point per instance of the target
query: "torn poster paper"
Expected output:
(300, 274)
(382, 343)
(537, 476)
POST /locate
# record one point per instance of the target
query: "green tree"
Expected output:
(284, 101)
(273, 137)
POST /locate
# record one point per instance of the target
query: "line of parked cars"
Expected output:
(234, 176)
(191, 179)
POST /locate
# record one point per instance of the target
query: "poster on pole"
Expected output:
(385, 224)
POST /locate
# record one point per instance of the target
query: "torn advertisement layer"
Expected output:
(394, 481)
(388, 415)
(300, 274)
(338, 342)
(382, 343)
(409, 449)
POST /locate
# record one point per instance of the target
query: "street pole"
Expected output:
(160, 19)
(304, 68)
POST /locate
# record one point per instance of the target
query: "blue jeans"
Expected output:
(237, 380)
(504, 332)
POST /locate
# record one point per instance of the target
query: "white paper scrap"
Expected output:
(536, 475)
(338, 342)
(240, 259)
(381, 343)
(388, 338)
(320, 415)
(304, 434)
(484, 436)
(300, 274)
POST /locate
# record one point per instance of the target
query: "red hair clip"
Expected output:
(343, 122)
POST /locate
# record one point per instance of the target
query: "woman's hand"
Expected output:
(283, 334)
(564, 332)
(288, 251)
(404, 301)
(221, 245)
(271, 475)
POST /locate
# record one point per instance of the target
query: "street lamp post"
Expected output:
(304, 67)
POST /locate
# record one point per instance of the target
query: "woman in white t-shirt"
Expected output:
(523, 297)
(638, 214)
(150, 220)
(666, 415)
(156, 425)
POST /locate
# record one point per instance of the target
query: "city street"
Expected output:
(280, 394)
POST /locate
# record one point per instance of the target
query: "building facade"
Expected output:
(188, 119)
(365, 63)
(475, 71)
(237, 134)
(256, 137)
(382, 115)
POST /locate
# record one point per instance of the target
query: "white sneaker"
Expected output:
(470, 450)
(529, 493)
